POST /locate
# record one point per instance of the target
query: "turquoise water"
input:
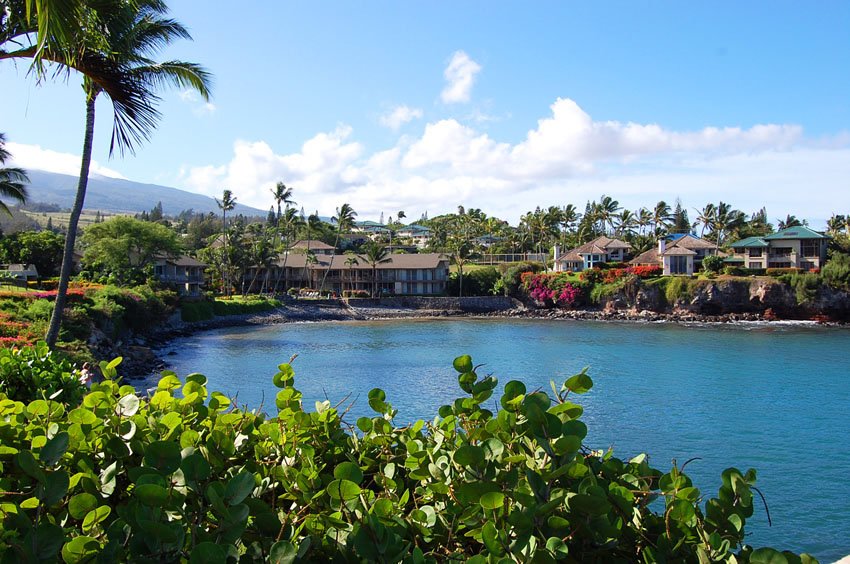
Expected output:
(771, 397)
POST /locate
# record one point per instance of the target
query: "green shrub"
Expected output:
(196, 311)
(679, 288)
(600, 291)
(35, 373)
(240, 307)
(476, 282)
(805, 285)
(712, 263)
(512, 276)
(836, 272)
(777, 272)
(186, 476)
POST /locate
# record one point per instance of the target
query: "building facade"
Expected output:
(601, 250)
(184, 274)
(677, 254)
(794, 247)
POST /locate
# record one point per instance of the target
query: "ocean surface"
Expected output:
(774, 397)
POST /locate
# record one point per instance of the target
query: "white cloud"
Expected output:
(400, 115)
(199, 106)
(460, 76)
(567, 158)
(35, 157)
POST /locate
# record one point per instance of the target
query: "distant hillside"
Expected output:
(111, 194)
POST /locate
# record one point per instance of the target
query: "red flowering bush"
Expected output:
(645, 271)
(549, 289)
(592, 275)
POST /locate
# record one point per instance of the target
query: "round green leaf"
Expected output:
(463, 364)
(152, 494)
(343, 489)
(490, 537)
(53, 450)
(195, 467)
(579, 384)
(284, 376)
(492, 500)
(127, 406)
(208, 553)
(95, 517)
(80, 549)
(46, 540)
(469, 455)
(348, 471)
(164, 456)
(239, 487)
(282, 552)
(81, 504)
(557, 547)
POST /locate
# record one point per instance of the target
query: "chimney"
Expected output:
(662, 245)
(557, 252)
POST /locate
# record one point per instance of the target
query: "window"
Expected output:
(807, 265)
(810, 248)
(754, 265)
(780, 252)
(755, 253)
(678, 265)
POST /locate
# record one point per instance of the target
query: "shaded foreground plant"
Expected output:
(183, 475)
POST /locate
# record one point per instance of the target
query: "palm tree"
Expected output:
(282, 194)
(351, 262)
(292, 221)
(344, 220)
(12, 180)
(375, 254)
(226, 204)
(705, 218)
(644, 219)
(607, 210)
(626, 223)
(660, 217)
(120, 66)
(311, 224)
(789, 221)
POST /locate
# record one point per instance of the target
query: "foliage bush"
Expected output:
(804, 284)
(560, 289)
(777, 272)
(355, 294)
(242, 307)
(35, 373)
(196, 311)
(186, 476)
(712, 264)
(679, 288)
(836, 272)
(477, 282)
(511, 281)
(592, 275)
(741, 271)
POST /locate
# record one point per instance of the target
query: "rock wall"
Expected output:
(724, 296)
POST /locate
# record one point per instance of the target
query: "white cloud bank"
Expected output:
(35, 157)
(460, 76)
(400, 115)
(567, 158)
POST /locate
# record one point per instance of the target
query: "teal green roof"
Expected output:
(750, 242)
(733, 259)
(798, 232)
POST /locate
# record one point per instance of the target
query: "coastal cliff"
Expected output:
(762, 296)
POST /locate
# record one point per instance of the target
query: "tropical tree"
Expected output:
(12, 180)
(226, 204)
(282, 194)
(607, 210)
(351, 261)
(123, 248)
(374, 254)
(789, 221)
(661, 217)
(344, 220)
(705, 218)
(117, 61)
(291, 222)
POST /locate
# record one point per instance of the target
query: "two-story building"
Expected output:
(183, 273)
(412, 274)
(794, 247)
(418, 234)
(601, 250)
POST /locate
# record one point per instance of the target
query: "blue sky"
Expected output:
(423, 106)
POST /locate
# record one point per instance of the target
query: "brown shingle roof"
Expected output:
(691, 242)
(678, 252)
(600, 245)
(649, 257)
(314, 245)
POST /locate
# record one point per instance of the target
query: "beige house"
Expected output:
(411, 274)
(19, 273)
(314, 246)
(182, 273)
(678, 254)
(600, 250)
(794, 247)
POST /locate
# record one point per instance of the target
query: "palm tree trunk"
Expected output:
(330, 265)
(73, 221)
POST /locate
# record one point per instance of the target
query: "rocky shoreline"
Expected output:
(144, 355)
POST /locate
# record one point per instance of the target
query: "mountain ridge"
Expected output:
(120, 195)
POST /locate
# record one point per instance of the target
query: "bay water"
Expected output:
(774, 397)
